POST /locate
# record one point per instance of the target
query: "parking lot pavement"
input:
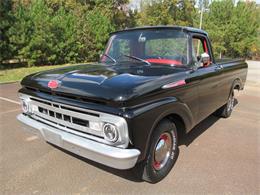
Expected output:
(218, 156)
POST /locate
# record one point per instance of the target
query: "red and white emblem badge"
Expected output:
(53, 84)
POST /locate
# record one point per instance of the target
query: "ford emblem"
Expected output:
(53, 84)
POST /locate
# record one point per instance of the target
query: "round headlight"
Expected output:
(110, 132)
(25, 106)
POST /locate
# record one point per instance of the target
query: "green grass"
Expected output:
(16, 74)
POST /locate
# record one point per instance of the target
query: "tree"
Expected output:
(256, 46)
(243, 30)
(231, 27)
(31, 35)
(53, 32)
(94, 33)
(217, 22)
(203, 4)
(6, 21)
(167, 12)
(63, 31)
(116, 11)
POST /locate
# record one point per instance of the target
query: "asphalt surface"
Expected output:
(218, 156)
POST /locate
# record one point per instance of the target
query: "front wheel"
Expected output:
(163, 152)
(226, 110)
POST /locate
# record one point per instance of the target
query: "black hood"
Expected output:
(113, 83)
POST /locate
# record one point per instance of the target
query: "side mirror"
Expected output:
(205, 59)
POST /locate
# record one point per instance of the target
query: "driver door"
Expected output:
(209, 77)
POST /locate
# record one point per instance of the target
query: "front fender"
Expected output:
(143, 119)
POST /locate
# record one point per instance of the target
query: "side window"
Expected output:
(199, 46)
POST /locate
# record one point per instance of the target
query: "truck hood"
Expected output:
(110, 83)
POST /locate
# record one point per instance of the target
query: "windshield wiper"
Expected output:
(111, 58)
(139, 59)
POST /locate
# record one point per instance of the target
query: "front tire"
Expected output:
(226, 110)
(163, 152)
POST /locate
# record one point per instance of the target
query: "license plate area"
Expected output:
(52, 137)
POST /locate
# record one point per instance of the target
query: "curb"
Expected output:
(9, 82)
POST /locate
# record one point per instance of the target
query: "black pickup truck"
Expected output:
(151, 85)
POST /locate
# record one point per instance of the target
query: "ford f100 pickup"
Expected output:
(151, 85)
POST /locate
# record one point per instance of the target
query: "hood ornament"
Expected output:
(53, 84)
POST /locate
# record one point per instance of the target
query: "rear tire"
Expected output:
(163, 152)
(226, 110)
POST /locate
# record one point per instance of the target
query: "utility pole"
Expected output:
(201, 17)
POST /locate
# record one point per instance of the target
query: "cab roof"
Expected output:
(182, 28)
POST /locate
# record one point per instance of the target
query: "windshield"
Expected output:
(153, 46)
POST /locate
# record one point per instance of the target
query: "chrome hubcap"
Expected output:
(162, 151)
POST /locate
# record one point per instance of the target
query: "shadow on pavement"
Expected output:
(198, 130)
(130, 174)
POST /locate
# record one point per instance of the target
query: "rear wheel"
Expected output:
(226, 110)
(163, 152)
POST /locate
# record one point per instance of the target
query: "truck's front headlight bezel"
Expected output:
(119, 126)
(25, 104)
(110, 132)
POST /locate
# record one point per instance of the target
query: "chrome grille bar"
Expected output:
(56, 109)
(79, 121)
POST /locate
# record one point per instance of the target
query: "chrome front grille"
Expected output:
(67, 116)
(71, 119)
(78, 121)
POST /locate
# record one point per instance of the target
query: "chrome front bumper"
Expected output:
(118, 158)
